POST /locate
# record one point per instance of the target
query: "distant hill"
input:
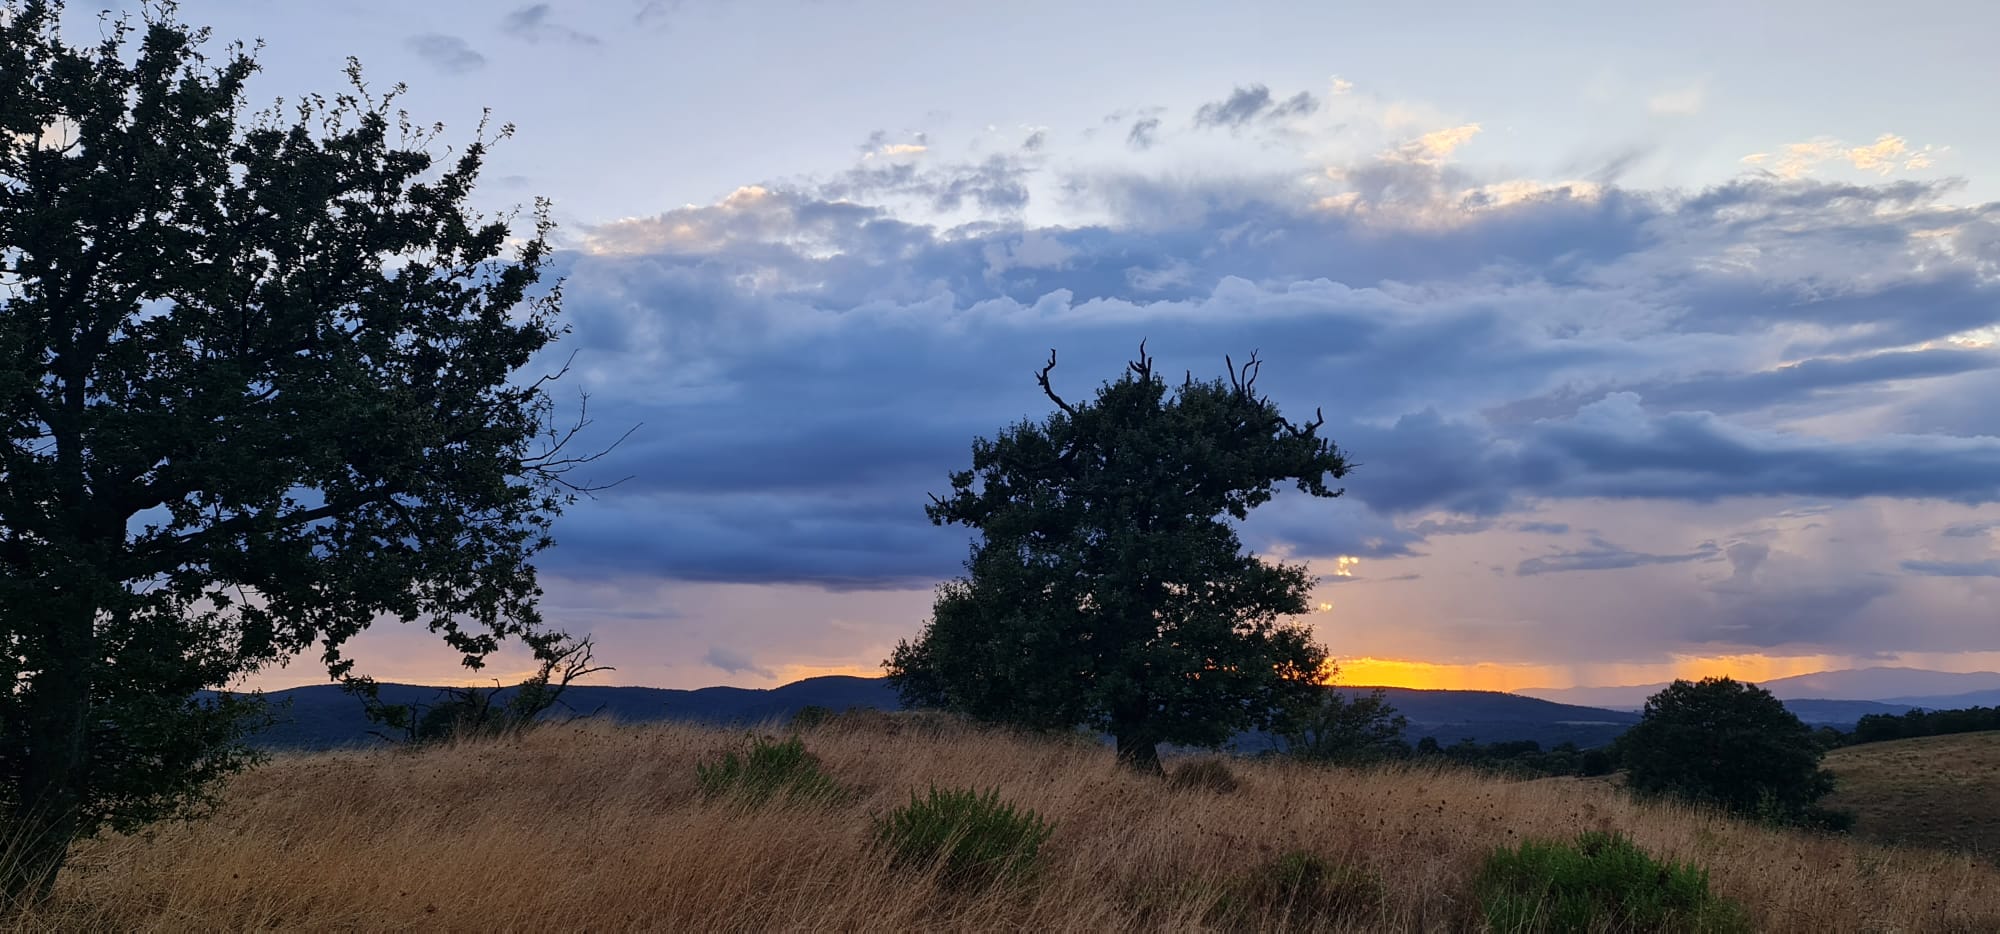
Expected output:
(321, 716)
(1932, 790)
(1951, 701)
(1492, 716)
(1910, 687)
(1840, 713)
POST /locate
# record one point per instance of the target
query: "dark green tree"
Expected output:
(257, 391)
(1336, 728)
(1724, 742)
(1107, 587)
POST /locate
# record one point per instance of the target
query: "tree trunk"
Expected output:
(44, 818)
(1140, 753)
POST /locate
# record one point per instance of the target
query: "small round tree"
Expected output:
(1728, 743)
(1108, 587)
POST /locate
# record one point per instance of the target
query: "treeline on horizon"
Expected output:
(1881, 727)
(1527, 758)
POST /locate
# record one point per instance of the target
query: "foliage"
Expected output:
(772, 768)
(475, 711)
(1524, 758)
(1304, 890)
(1599, 882)
(1209, 774)
(1336, 728)
(1727, 743)
(970, 839)
(1880, 727)
(812, 716)
(256, 392)
(1107, 587)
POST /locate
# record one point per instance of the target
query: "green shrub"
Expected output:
(1304, 890)
(1208, 774)
(1599, 882)
(771, 768)
(970, 838)
(812, 716)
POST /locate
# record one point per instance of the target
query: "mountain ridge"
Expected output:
(323, 716)
(1909, 687)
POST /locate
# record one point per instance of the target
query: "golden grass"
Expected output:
(1934, 790)
(600, 827)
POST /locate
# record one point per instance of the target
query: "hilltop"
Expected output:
(323, 717)
(1932, 790)
(1894, 690)
(602, 827)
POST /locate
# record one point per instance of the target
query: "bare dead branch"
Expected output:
(1043, 378)
(1142, 367)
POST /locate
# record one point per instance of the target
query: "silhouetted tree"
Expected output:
(1106, 588)
(1336, 728)
(495, 711)
(256, 389)
(1727, 743)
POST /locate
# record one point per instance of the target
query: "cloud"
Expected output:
(1144, 133)
(1678, 102)
(1247, 104)
(1605, 556)
(449, 54)
(1885, 155)
(1438, 145)
(534, 24)
(734, 662)
(1987, 568)
(1502, 357)
(1978, 529)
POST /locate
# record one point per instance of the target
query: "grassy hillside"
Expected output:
(1933, 790)
(602, 827)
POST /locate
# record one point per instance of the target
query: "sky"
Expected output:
(1664, 335)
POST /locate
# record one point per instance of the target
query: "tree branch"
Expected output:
(1043, 378)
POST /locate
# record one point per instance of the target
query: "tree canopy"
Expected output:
(1107, 588)
(257, 391)
(1724, 742)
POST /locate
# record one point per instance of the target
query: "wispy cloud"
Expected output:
(536, 23)
(447, 53)
(1887, 154)
(1252, 103)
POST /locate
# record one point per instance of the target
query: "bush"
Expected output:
(1208, 774)
(1303, 890)
(1727, 743)
(1335, 728)
(769, 769)
(969, 838)
(1600, 882)
(812, 716)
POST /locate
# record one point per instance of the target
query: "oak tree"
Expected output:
(1107, 587)
(258, 390)
(1728, 743)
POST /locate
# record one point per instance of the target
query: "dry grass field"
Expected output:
(602, 828)
(1933, 791)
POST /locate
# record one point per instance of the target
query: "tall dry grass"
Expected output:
(601, 827)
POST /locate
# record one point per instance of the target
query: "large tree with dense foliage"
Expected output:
(257, 391)
(1725, 742)
(1107, 587)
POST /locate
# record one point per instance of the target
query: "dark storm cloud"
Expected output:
(1605, 556)
(1988, 568)
(809, 363)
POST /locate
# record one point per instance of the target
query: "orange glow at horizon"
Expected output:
(1498, 676)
